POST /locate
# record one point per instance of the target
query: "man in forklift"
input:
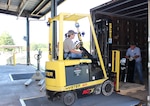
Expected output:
(69, 47)
(134, 55)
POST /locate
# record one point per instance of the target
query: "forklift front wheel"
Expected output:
(107, 88)
(68, 98)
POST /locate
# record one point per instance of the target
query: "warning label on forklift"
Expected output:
(77, 72)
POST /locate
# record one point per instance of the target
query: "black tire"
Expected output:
(68, 98)
(107, 88)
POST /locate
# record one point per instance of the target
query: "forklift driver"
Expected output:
(69, 48)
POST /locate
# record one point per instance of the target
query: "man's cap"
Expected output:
(71, 32)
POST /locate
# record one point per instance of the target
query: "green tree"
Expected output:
(40, 46)
(6, 39)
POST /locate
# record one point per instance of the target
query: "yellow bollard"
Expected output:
(116, 67)
(14, 59)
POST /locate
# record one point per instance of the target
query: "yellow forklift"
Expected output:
(69, 79)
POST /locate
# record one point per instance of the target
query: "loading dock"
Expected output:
(122, 0)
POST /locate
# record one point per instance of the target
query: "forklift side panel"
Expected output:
(77, 74)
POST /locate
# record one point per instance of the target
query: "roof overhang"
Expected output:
(27, 8)
(133, 9)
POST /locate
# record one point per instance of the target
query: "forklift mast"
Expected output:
(103, 29)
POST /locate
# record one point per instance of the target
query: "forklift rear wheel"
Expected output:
(107, 88)
(68, 98)
(97, 89)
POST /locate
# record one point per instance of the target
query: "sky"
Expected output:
(39, 29)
